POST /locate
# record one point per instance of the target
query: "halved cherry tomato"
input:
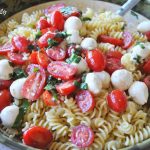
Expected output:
(56, 53)
(148, 35)
(127, 40)
(42, 24)
(4, 84)
(52, 29)
(71, 49)
(34, 85)
(66, 88)
(48, 99)
(111, 40)
(32, 68)
(7, 47)
(42, 60)
(114, 54)
(5, 99)
(82, 136)
(57, 20)
(113, 64)
(85, 100)
(20, 43)
(38, 137)
(16, 58)
(95, 60)
(117, 101)
(147, 81)
(146, 67)
(33, 57)
(62, 70)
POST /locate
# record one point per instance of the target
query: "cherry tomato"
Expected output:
(5, 84)
(37, 137)
(42, 24)
(147, 81)
(57, 20)
(66, 88)
(113, 64)
(34, 85)
(52, 29)
(62, 70)
(85, 100)
(20, 43)
(5, 99)
(16, 58)
(148, 35)
(56, 53)
(32, 68)
(42, 60)
(146, 67)
(82, 136)
(111, 40)
(71, 49)
(127, 40)
(117, 101)
(33, 57)
(4, 49)
(114, 54)
(48, 99)
(95, 60)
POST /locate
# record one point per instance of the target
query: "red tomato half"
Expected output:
(66, 88)
(34, 85)
(4, 84)
(56, 53)
(82, 136)
(31, 68)
(62, 70)
(37, 137)
(146, 67)
(4, 49)
(95, 60)
(5, 99)
(117, 101)
(114, 54)
(148, 35)
(85, 100)
(42, 24)
(52, 29)
(33, 57)
(127, 40)
(71, 50)
(111, 40)
(147, 81)
(16, 58)
(20, 43)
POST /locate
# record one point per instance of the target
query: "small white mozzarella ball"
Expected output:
(9, 115)
(144, 26)
(105, 79)
(122, 79)
(81, 66)
(5, 69)
(94, 83)
(73, 23)
(139, 92)
(89, 43)
(74, 37)
(15, 88)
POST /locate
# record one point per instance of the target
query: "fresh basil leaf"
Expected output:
(84, 86)
(55, 94)
(77, 84)
(83, 77)
(38, 34)
(74, 58)
(49, 87)
(85, 19)
(52, 43)
(134, 14)
(137, 59)
(18, 73)
(62, 35)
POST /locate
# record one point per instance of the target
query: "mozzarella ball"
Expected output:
(94, 83)
(139, 92)
(74, 37)
(73, 23)
(5, 69)
(15, 88)
(105, 79)
(81, 66)
(9, 115)
(89, 43)
(144, 26)
(122, 79)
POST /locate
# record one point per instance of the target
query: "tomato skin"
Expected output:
(30, 68)
(5, 99)
(95, 60)
(34, 85)
(5, 84)
(52, 29)
(48, 99)
(146, 67)
(114, 54)
(147, 81)
(56, 53)
(20, 43)
(62, 70)
(42, 24)
(66, 88)
(82, 136)
(127, 40)
(148, 35)
(111, 40)
(117, 101)
(38, 137)
(16, 58)
(57, 20)
(85, 100)
(33, 57)
(7, 47)
(71, 49)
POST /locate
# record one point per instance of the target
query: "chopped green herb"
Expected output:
(18, 73)
(141, 44)
(38, 35)
(137, 43)
(49, 87)
(52, 43)
(123, 27)
(55, 94)
(31, 47)
(11, 64)
(36, 69)
(83, 77)
(84, 86)
(137, 59)
(77, 84)
(134, 14)
(62, 35)
(78, 51)
(74, 58)
(85, 19)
